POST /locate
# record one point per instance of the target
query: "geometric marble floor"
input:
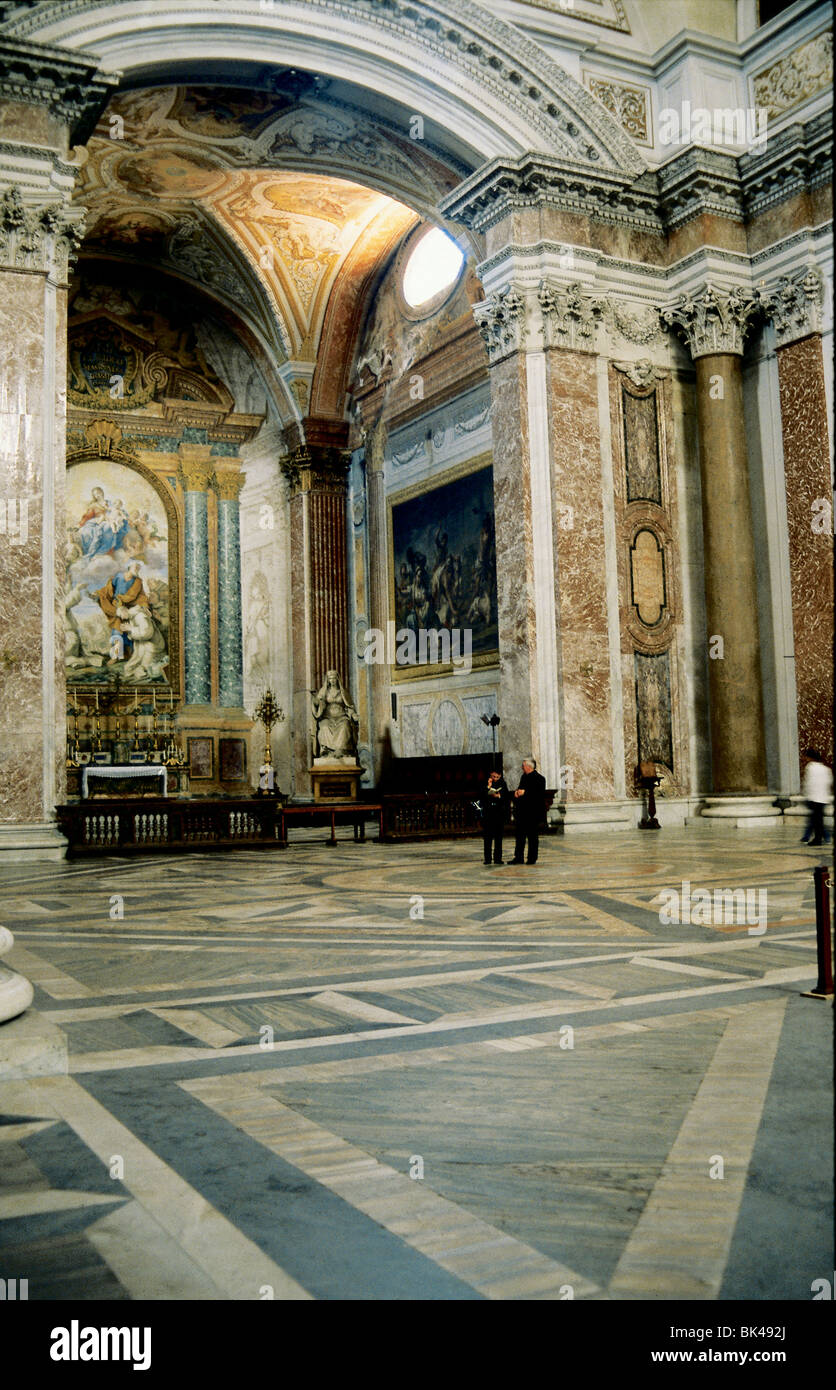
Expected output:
(385, 1072)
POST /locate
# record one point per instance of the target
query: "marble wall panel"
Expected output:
(643, 641)
(807, 470)
(581, 574)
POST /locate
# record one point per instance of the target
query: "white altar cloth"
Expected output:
(125, 770)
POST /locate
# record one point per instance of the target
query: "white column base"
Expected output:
(16, 992)
(24, 842)
(798, 807)
(578, 816)
(738, 813)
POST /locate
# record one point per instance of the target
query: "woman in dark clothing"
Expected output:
(494, 810)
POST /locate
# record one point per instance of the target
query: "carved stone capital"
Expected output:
(794, 304)
(569, 316)
(196, 474)
(501, 321)
(714, 320)
(37, 235)
(310, 468)
(228, 484)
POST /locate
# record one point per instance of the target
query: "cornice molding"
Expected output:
(698, 181)
(714, 320)
(693, 182)
(504, 186)
(39, 236)
(798, 158)
(67, 83)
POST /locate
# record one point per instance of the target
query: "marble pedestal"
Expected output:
(579, 817)
(335, 781)
(16, 993)
(42, 840)
(738, 813)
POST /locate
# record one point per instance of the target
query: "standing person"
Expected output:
(817, 789)
(494, 810)
(529, 810)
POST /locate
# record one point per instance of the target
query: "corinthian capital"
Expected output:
(38, 235)
(501, 321)
(714, 320)
(794, 305)
(569, 316)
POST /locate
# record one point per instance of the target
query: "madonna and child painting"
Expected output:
(117, 585)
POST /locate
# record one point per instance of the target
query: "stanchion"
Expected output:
(824, 984)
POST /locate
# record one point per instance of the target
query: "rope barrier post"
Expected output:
(824, 955)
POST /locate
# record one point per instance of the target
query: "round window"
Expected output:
(433, 267)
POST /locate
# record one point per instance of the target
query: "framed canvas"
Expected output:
(201, 759)
(442, 574)
(232, 756)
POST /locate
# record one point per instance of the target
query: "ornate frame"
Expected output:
(479, 660)
(129, 460)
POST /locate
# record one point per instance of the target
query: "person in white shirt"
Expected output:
(817, 790)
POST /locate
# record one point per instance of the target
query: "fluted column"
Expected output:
(317, 471)
(230, 655)
(196, 472)
(794, 305)
(48, 103)
(713, 325)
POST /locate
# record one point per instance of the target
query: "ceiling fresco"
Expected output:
(250, 195)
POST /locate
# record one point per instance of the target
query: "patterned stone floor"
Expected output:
(387, 1072)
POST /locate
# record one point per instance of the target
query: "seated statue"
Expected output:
(336, 721)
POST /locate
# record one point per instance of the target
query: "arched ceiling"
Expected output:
(222, 187)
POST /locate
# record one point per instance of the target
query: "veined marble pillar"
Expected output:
(378, 736)
(551, 566)
(48, 102)
(794, 305)
(230, 656)
(317, 470)
(195, 474)
(714, 324)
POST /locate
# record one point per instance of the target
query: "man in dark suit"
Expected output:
(494, 810)
(529, 811)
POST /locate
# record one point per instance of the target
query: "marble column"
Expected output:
(48, 102)
(714, 324)
(317, 470)
(794, 306)
(551, 576)
(379, 736)
(196, 473)
(230, 655)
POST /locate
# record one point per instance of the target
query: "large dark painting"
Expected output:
(444, 560)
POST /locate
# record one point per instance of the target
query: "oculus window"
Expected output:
(431, 271)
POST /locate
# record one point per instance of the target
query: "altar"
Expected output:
(125, 774)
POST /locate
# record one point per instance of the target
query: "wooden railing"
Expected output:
(166, 823)
(437, 815)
